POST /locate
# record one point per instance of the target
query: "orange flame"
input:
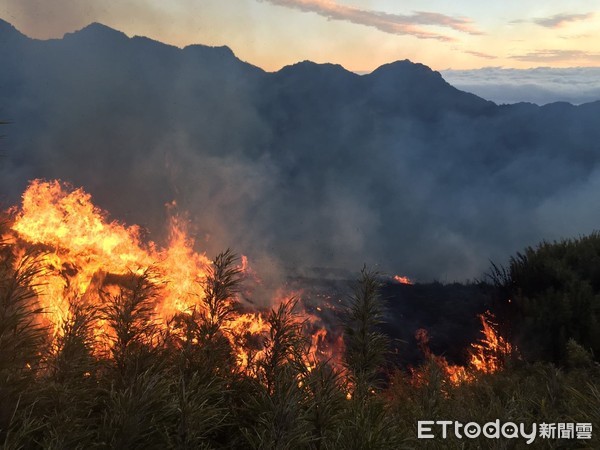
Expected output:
(402, 279)
(488, 355)
(84, 248)
(86, 254)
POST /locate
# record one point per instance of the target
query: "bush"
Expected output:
(551, 294)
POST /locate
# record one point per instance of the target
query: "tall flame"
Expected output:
(85, 254)
(487, 355)
(83, 248)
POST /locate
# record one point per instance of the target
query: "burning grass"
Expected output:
(109, 341)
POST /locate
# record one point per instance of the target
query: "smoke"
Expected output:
(312, 166)
(43, 19)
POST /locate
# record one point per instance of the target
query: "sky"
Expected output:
(358, 34)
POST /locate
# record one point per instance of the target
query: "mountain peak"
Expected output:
(405, 69)
(222, 50)
(405, 76)
(307, 65)
(309, 70)
(97, 30)
(424, 91)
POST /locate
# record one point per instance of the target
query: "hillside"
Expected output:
(312, 165)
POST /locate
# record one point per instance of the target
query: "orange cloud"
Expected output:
(479, 54)
(558, 56)
(558, 20)
(400, 24)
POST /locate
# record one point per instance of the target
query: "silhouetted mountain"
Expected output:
(408, 88)
(96, 34)
(312, 164)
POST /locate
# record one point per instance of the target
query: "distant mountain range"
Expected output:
(541, 85)
(312, 165)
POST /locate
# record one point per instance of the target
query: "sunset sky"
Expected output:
(360, 35)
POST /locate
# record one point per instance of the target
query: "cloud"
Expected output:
(570, 37)
(400, 24)
(540, 86)
(558, 20)
(558, 55)
(480, 54)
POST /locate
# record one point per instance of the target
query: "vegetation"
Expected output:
(550, 295)
(180, 387)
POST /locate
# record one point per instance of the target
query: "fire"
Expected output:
(488, 355)
(402, 279)
(87, 257)
(85, 251)
(455, 374)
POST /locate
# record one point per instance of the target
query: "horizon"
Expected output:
(360, 36)
(503, 85)
(357, 72)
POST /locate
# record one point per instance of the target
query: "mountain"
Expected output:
(308, 166)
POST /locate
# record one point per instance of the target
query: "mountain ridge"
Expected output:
(96, 32)
(311, 165)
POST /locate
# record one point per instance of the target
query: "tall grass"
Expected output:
(181, 387)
